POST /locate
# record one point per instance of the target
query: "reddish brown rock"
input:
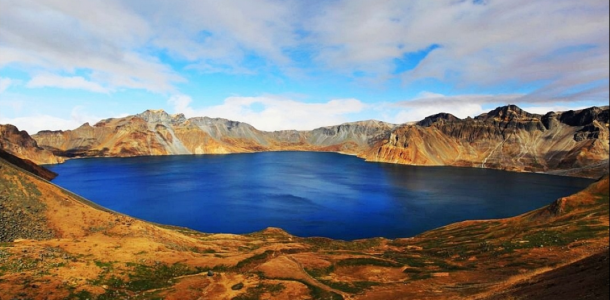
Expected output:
(569, 143)
(20, 144)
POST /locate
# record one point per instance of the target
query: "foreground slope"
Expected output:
(56, 245)
(586, 279)
(571, 143)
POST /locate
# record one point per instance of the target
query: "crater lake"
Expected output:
(306, 193)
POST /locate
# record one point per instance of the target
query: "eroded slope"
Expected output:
(569, 143)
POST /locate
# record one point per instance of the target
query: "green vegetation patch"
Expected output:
(20, 264)
(330, 244)
(367, 261)
(546, 238)
(320, 272)
(417, 264)
(421, 276)
(104, 265)
(254, 259)
(139, 277)
(447, 267)
(405, 259)
(221, 268)
(255, 293)
(156, 276)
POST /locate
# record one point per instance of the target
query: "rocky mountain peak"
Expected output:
(85, 125)
(11, 134)
(161, 116)
(178, 118)
(426, 122)
(507, 112)
(154, 116)
(585, 116)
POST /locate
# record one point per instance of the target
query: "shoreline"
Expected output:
(554, 172)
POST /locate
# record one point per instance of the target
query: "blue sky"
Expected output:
(297, 64)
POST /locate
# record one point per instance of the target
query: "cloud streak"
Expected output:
(427, 99)
(5, 83)
(74, 82)
(463, 106)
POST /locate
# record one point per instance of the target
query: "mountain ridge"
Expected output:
(573, 143)
(505, 138)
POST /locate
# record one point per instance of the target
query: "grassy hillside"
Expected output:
(57, 245)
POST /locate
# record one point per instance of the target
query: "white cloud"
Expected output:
(5, 83)
(275, 113)
(419, 113)
(541, 110)
(36, 122)
(461, 106)
(80, 115)
(102, 37)
(556, 45)
(75, 82)
(558, 48)
(181, 104)
(222, 35)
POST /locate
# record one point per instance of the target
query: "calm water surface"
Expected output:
(305, 193)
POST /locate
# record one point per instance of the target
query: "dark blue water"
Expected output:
(305, 193)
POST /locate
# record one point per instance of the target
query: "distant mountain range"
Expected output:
(569, 143)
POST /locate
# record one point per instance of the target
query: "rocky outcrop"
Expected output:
(569, 143)
(504, 138)
(20, 144)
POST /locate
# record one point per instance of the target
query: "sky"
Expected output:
(297, 64)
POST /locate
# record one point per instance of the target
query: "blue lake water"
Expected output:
(306, 193)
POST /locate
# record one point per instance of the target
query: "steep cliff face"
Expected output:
(505, 138)
(20, 144)
(155, 132)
